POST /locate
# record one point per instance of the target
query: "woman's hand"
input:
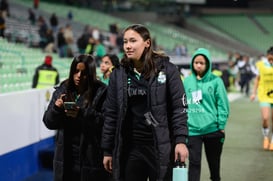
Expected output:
(59, 102)
(252, 97)
(107, 162)
(181, 152)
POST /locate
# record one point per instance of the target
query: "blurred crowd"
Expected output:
(61, 39)
(238, 73)
(57, 35)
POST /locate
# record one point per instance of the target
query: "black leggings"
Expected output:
(213, 143)
(141, 164)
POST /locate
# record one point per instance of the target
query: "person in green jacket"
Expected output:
(107, 64)
(208, 111)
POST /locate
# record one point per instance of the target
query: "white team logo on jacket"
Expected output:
(161, 77)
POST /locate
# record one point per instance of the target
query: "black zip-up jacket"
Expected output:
(166, 93)
(89, 124)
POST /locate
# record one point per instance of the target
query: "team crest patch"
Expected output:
(161, 77)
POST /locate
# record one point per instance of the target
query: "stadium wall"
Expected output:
(23, 134)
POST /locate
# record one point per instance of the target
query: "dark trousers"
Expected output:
(213, 144)
(141, 164)
(244, 84)
(2, 33)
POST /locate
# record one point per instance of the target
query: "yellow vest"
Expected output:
(46, 78)
(182, 77)
(265, 87)
(217, 72)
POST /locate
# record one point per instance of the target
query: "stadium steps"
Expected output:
(201, 27)
(242, 28)
(166, 40)
(18, 64)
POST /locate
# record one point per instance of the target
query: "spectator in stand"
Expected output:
(42, 31)
(54, 22)
(31, 16)
(177, 50)
(61, 43)
(96, 34)
(155, 44)
(36, 4)
(70, 15)
(45, 75)
(50, 42)
(2, 25)
(113, 28)
(180, 50)
(69, 38)
(4, 7)
(100, 51)
(82, 41)
(119, 43)
(107, 64)
(90, 48)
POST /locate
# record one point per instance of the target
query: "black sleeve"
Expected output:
(54, 116)
(93, 118)
(177, 111)
(110, 111)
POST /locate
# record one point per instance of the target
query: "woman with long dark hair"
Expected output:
(145, 126)
(75, 112)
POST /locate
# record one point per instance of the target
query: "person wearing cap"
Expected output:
(45, 75)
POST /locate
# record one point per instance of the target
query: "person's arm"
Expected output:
(107, 162)
(54, 116)
(177, 112)
(255, 87)
(222, 104)
(176, 109)
(110, 112)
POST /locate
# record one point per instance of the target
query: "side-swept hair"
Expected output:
(148, 56)
(90, 73)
